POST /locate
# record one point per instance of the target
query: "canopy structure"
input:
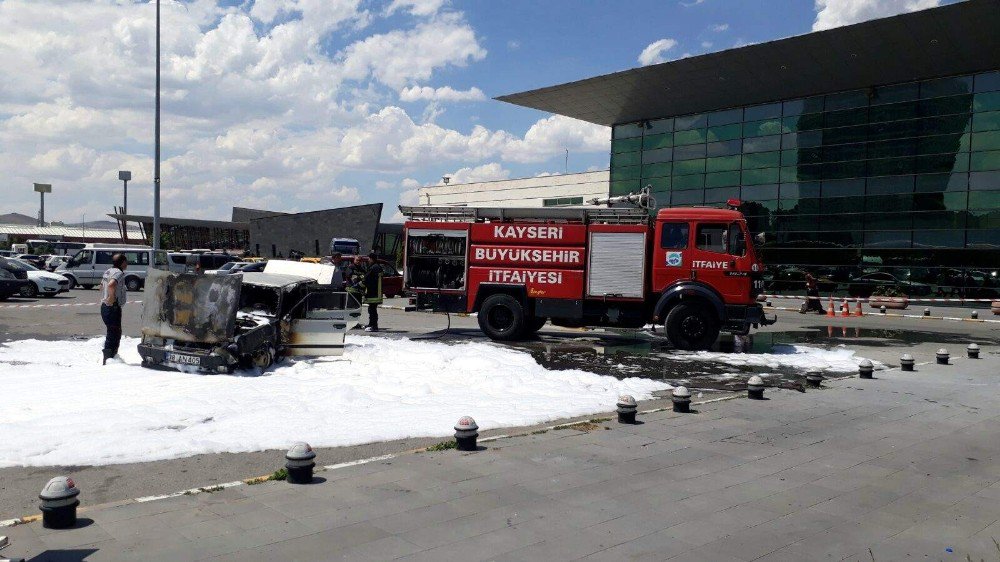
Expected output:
(959, 38)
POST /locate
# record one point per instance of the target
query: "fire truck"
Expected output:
(692, 270)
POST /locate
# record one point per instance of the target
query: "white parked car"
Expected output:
(54, 262)
(227, 268)
(42, 282)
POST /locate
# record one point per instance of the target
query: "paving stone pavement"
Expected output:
(901, 467)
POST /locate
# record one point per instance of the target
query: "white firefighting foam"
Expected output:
(60, 406)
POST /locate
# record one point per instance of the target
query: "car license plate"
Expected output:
(183, 359)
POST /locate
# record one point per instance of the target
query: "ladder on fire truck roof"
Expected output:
(601, 215)
(569, 214)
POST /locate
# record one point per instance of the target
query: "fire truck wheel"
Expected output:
(692, 327)
(534, 323)
(502, 318)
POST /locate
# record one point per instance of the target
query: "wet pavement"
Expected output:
(649, 355)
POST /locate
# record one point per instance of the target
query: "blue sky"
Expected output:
(298, 105)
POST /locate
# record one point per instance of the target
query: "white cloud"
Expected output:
(486, 172)
(706, 44)
(655, 52)
(416, 7)
(835, 13)
(720, 27)
(513, 45)
(382, 184)
(692, 3)
(444, 93)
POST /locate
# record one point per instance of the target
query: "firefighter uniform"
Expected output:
(373, 294)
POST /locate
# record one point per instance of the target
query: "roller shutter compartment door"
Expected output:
(617, 264)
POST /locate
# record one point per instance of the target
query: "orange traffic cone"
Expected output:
(857, 310)
(829, 311)
(845, 309)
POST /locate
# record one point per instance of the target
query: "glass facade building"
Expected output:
(895, 184)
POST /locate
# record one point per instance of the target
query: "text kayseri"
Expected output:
(529, 255)
(709, 264)
(528, 232)
(516, 276)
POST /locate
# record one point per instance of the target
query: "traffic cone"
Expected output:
(845, 309)
(857, 310)
(829, 310)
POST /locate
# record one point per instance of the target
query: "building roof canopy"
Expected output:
(959, 38)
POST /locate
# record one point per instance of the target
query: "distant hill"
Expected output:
(18, 218)
(107, 225)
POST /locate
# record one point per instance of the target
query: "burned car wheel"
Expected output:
(263, 358)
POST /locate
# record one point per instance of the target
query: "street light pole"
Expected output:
(156, 164)
(125, 175)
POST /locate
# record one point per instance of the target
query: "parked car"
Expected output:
(208, 261)
(87, 266)
(250, 267)
(218, 323)
(226, 268)
(865, 285)
(177, 261)
(54, 262)
(41, 282)
(6, 254)
(13, 276)
(33, 259)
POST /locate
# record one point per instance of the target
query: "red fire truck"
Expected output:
(693, 270)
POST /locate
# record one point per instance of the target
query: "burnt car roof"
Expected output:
(274, 279)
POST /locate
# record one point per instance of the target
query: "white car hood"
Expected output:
(36, 275)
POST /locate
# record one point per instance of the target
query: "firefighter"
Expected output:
(812, 295)
(373, 291)
(354, 278)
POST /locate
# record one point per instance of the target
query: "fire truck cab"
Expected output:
(693, 270)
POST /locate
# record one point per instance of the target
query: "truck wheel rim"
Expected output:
(501, 318)
(693, 326)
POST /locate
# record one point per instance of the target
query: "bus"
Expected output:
(53, 247)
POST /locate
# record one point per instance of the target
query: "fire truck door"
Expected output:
(718, 259)
(671, 258)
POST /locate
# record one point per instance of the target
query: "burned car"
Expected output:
(219, 323)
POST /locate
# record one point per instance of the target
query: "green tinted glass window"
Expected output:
(886, 221)
(943, 163)
(624, 159)
(762, 128)
(989, 140)
(896, 93)
(623, 187)
(946, 87)
(625, 173)
(938, 220)
(722, 179)
(948, 124)
(890, 166)
(760, 192)
(695, 166)
(940, 144)
(626, 131)
(690, 122)
(664, 140)
(693, 136)
(626, 145)
(724, 132)
(985, 161)
(722, 194)
(693, 181)
(789, 157)
(988, 81)
(657, 184)
(725, 117)
(657, 126)
(844, 152)
(893, 112)
(806, 105)
(946, 106)
(762, 160)
(690, 197)
(656, 170)
(942, 182)
(988, 101)
(846, 117)
(658, 155)
(986, 121)
(982, 199)
(723, 163)
(755, 177)
(984, 181)
(841, 170)
(758, 112)
(890, 203)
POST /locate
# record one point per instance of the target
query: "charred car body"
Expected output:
(216, 323)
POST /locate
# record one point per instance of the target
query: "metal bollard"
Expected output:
(927, 312)
(814, 378)
(681, 397)
(755, 388)
(882, 309)
(865, 369)
(975, 314)
(59, 503)
(466, 433)
(627, 409)
(906, 362)
(299, 463)
(942, 356)
(973, 351)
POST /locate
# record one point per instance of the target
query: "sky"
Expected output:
(299, 105)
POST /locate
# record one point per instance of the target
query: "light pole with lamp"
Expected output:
(156, 163)
(42, 189)
(125, 175)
